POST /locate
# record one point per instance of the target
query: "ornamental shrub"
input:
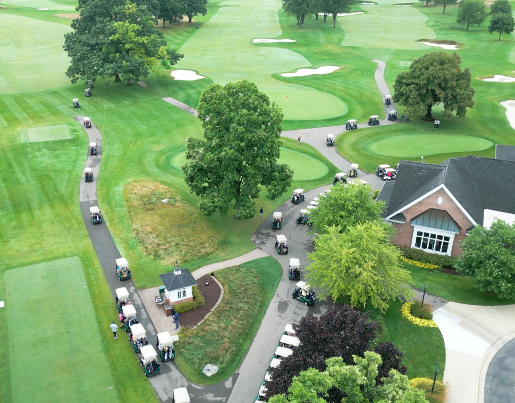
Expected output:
(198, 301)
(430, 258)
(422, 312)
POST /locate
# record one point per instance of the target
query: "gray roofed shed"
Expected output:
(177, 279)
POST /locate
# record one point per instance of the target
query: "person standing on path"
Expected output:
(176, 320)
(261, 213)
(114, 329)
(298, 141)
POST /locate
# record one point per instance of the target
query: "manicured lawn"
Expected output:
(423, 347)
(224, 337)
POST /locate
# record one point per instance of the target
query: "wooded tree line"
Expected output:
(302, 8)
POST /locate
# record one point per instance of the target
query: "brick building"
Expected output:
(434, 206)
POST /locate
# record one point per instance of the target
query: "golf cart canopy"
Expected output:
(122, 293)
(311, 207)
(148, 353)
(340, 175)
(94, 210)
(358, 182)
(313, 203)
(294, 262)
(278, 215)
(374, 116)
(88, 170)
(268, 377)
(388, 96)
(289, 329)
(262, 390)
(354, 166)
(384, 166)
(290, 340)
(75, 99)
(351, 121)
(328, 191)
(122, 262)
(389, 170)
(281, 239)
(303, 286)
(275, 362)
(93, 145)
(86, 119)
(316, 199)
(303, 212)
(283, 352)
(180, 395)
(138, 331)
(330, 136)
(298, 191)
(165, 340)
(393, 112)
(129, 311)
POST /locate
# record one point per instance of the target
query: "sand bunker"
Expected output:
(510, 111)
(70, 16)
(501, 79)
(366, 4)
(345, 14)
(43, 9)
(272, 40)
(441, 45)
(311, 72)
(186, 75)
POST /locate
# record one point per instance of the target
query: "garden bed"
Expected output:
(211, 293)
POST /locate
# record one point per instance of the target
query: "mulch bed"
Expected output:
(211, 293)
(449, 270)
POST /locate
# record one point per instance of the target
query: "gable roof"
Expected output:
(476, 183)
(174, 281)
(437, 219)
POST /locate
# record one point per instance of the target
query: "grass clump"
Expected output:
(167, 227)
(422, 312)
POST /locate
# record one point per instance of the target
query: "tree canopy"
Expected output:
(336, 7)
(171, 11)
(195, 7)
(500, 7)
(299, 8)
(445, 3)
(239, 151)
(432, 79)
(489, 258)
(354, 383)
(471, 12)
(359, 267)
(501, 23)
(115, 38)
(334, 334)
(344, 207)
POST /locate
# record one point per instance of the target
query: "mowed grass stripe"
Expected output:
(50, 317)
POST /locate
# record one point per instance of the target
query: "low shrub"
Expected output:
(429, 258)
(422, 312)
(198, 301)
(437, 396)
(406, 312)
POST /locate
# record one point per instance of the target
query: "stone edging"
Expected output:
(215, 306)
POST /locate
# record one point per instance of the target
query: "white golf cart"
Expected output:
(122, 269)
(96, 217)
(138, 337)
(353, 173)
(88, 92)
(373, 120)
(165, 346)
(275, 363)
(298, 196)
(122, 298)
(303, 217)
(149, 362)
(277, 220)
(351, 124)
(314, 202)
(93, 148)
(388, 99)
(294, 269)
(304, 293)
(76, 103)
(389, 174)
(128, 317)
(281, 245)
(87, 122)
(392, 115)
(88, 174)
(330, 140)
(282, 352)
(289, 341)
(380, 170)
(289, 330)
(340, 177)
(180, 395)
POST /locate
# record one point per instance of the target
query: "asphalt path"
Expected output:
(500, 378)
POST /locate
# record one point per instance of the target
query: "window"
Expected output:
(184, 293)
(432, 241)
(179, 295)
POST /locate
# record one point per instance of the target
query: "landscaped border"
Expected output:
(405, 310)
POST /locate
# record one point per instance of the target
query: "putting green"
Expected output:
(55, 350)
(222, 50)
(26, 48)
(304, 166)
(387, 27)
(416, 145)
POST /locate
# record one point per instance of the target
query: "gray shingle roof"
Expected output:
(505, 152)
(174, 281)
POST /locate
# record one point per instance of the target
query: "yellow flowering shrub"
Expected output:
(406, 312)
(420, 264)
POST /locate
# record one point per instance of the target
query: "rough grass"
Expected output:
(225, 336)
(167, 231)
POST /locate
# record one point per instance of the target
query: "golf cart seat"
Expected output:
(88, 174)
(281, 245)
(294, 269)
(297, 196)
(330, 140)
(180, 395)
(351, 124)
(353, 173)
(388, 99)
(304, 293)
(340, 177)
(289, 341)
(76, 103)
(282, 352)
(389, 174)
(277, 220)
(148, 361)
(288, 329)
(87, 122)
(392, 115)
(93, 148)
(96, 217)
(165, 346)
(88, 92)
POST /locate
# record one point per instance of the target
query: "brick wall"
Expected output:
(405, 231)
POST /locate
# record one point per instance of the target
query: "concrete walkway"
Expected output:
(473, 334)
(180, 105)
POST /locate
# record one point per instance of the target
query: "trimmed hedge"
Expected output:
(198, 301)
(430, 258)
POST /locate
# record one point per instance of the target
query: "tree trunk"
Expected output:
(129, 82)
(117, 78)
(444, 5)
(468, 26)
(334, 20)
(429, 114)
(316, 16)
(190, 17)
(325, 18)
(500, 36)
(164, 24)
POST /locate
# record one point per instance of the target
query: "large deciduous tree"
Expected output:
(195, 7)
(471, 12)
(336, 7)
(501, 23)
(239, 151)
(344, 207)
(432, 79)
(445, 3)
(489, 258)
(500, 7)
(360, 266)
(299, 8)
(171, 11)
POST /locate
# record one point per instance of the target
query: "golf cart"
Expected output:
(122, 269)
(122, 298)
(389, 174)
(87, 122)
(298, 196)
(180, 395)
(277, 220)
(281, 245)
(275, 363)
(128, 317)
(96, 217)
(76, 103)
(437, 124)
(380, 170)
(392, 115)
(289, 341)
(314, 202)
(340, 177)
(138, 337)
(373, 121)
(93, 148)
(88, 92)
(353, 173)
(88, 174)
(304, 293)
(388, 99)
(327, 191)
(282, 352)
(289, 330)
(294, 269)
(165, 346)
(149, 362)
(330, 140)
(262, 393)
(303, 217)
(351, 124)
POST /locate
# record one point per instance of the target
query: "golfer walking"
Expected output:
(261, 213)
(114, 329)
(176, 320)
(298, 140)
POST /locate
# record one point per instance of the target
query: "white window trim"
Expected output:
(433, 231)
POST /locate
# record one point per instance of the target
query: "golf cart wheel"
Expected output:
(306, 303)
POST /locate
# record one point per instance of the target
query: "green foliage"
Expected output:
(500, 7)
(432, 79)
(430, 258)
(355, 383)
(489, 257)
(360, 266)
(239, 151)
(198, 301)
(471, 12)
(344, 207)
(171, 11)
(195, 7)
(299, 9)
(422, 312)
(336, 7)
(502, 23)
(445, 3)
